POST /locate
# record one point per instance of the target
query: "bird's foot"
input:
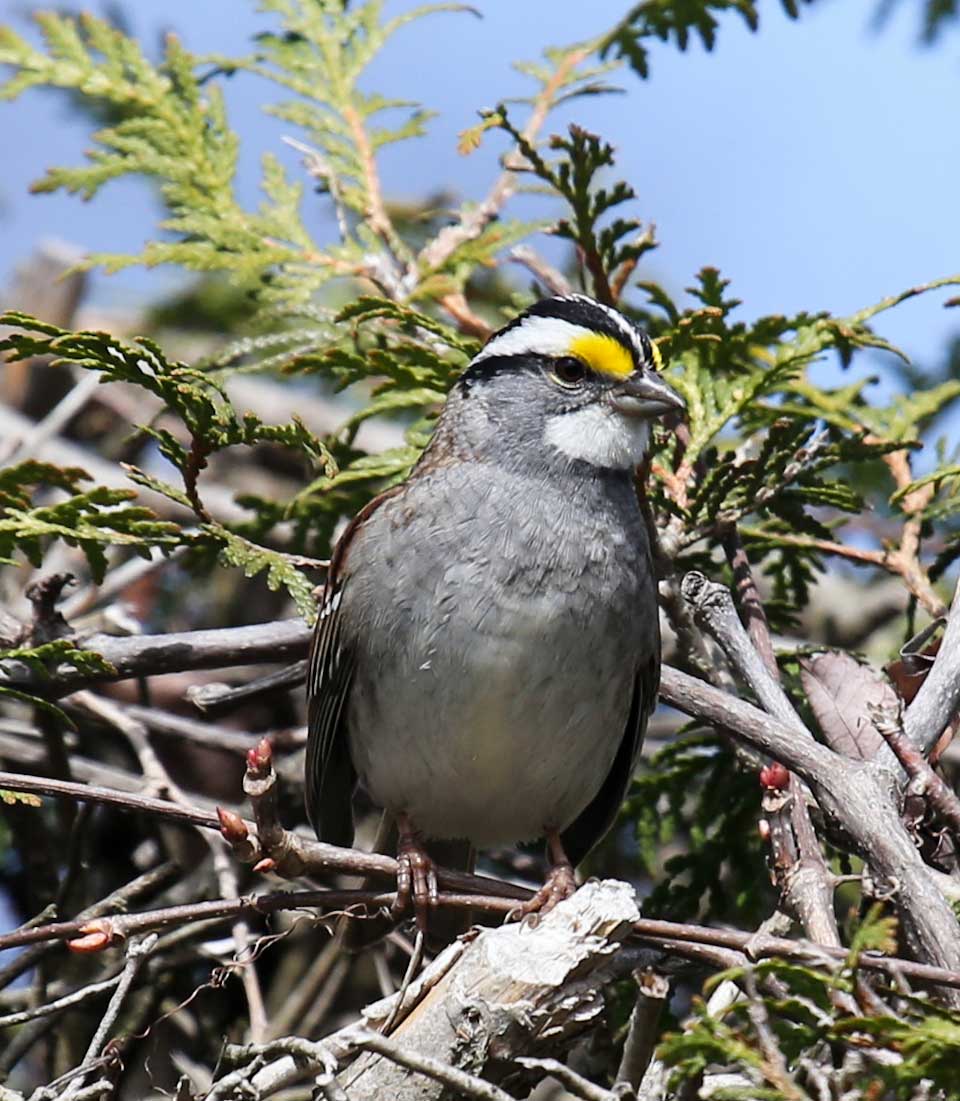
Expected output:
(559, 884)
(416, 876)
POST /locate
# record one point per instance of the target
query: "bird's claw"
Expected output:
(559, 884)
(416, 882)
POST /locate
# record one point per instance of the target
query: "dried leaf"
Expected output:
(841, 691)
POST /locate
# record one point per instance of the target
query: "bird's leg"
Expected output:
(416, 874)
(559, 884)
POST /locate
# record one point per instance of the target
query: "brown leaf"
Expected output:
(841, 690)
(910, 671)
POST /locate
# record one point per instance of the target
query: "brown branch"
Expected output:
(894, 560)
(908, 554)
(467, 321)
(474, 221)
(802, 875)
(146, 884)
(377, 216)
(86, 936)
(748, 597)
(939, 794)
(553, 279)
(317, 857)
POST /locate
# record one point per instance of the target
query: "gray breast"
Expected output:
(498, 622)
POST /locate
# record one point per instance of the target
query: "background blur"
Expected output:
(840, 187)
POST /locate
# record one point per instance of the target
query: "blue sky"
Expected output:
(815, 163)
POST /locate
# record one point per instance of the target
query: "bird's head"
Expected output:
(574, 378)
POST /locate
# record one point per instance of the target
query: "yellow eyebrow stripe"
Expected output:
(603, 354)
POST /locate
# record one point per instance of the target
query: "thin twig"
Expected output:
(939, 794)
(475, 219)
(572, 1082)
(75, 997)
(68, 406)
(137, 952)
(680, 936)
(552, 279)
(317, 856)
(117, 901)
(464, 1085)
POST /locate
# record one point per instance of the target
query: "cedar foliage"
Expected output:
(392, 313)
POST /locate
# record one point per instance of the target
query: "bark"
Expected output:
(516, 991)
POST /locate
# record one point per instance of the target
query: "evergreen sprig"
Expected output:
(677, 21)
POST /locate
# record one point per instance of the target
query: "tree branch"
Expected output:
(938, 699)
(854, 794)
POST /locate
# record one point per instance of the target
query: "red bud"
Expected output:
(232, 826)
(98, 935)
(260, 758)
(774, 776)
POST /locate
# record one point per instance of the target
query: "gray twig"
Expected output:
(137, 952)
(568, 1078)
(852, 793)
(652, 992)
(75, 997)
(464, 1084)
(938, 699)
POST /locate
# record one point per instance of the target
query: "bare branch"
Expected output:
(553, 279)
(137, 952)
(852, 793)
(75, 997)
(281, 641)
(942, 798)
(938, 700)
(652, 993)
(466, 1085)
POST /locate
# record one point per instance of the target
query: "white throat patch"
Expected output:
(599, 436)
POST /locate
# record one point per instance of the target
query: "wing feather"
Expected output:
(330, 776)
(595, 820)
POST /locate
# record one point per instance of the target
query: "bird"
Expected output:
(487, 649)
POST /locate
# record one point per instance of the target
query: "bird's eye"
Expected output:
(569, 371)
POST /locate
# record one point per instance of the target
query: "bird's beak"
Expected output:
(645, 394)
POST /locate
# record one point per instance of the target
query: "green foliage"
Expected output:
(794, 1010)
(91, 520)
(695, 813)
(572, 176)
(61, 651)
(390, 313)
(253, 559)
(676, 20)
(172, 131)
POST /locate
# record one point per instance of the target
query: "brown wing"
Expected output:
(330, 776)
(600, 814)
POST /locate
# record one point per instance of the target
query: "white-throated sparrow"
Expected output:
(488, 650)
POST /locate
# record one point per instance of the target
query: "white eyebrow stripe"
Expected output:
(546, 336)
